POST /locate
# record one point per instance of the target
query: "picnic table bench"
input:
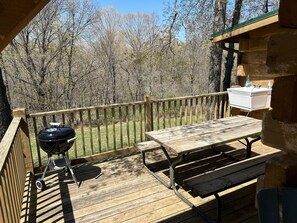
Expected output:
(213, 182)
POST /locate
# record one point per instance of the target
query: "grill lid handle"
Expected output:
(72, 139)
(55, 124)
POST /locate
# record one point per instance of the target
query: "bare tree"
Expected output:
(108, 48)
(44, 56)
(230, 56)
(5, 112)
(215, 50)
(139, 31)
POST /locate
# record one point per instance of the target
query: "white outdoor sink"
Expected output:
(249, 98)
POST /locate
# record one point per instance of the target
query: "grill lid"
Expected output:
(56, 134)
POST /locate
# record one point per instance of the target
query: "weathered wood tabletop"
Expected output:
(184, 139)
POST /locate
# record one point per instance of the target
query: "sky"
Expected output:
(126, 6)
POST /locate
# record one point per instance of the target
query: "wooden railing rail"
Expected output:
(15, 162)
(109, 129)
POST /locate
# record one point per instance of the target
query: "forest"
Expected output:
(76, 54)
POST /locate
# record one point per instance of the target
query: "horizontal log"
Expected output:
(254, 44)
(256, 71)
(282, 53)
(254, 57)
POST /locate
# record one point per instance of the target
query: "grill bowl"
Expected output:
(56, 140)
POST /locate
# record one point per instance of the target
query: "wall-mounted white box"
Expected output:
(249, 98)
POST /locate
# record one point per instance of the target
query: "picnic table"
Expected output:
(181, 141)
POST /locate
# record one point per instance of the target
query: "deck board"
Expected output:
(121, 190)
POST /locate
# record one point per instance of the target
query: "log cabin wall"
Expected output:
(266, 53)
(266, 56)
(269, 52)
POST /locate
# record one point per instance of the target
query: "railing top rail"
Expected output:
(121, 104)
(191, 97)
(85, 109)
(7, 140)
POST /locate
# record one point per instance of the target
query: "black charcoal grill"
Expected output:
(56, 140)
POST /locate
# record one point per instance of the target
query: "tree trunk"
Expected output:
(230, 56)
(215, 50)
(5, 111)
(265, 6)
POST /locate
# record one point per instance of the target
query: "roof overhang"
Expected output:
(243, 30)
(15, 15)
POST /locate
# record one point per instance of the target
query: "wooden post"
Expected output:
(26, 145)
(149, 114)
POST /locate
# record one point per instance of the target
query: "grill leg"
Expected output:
(49, 159)
(70, 169)
(40, 185)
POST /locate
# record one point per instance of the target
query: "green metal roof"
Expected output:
(248, 22)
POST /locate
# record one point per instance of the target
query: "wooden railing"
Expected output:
(15, 162)
(114, 129)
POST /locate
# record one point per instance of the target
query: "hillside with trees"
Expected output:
(76, 54)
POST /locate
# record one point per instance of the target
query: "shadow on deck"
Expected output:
(121, 190)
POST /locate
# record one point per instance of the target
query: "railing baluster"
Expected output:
(225, 108)
(196, 110)
(2, 213)
(113, 129)
(191, 110)
(140, 122)
(10, 191)
(75, 142)
(64, 122)
(169, 113)
(106, 130)
(10, 166)
(207, 108)
(63, 119)
(127, 125)
(164, 114)
(37, 143)
(228, 107)
(217, 106)
(82, 132)
(134, 123)
(180, 112)
(186, 111)
(6, 192)
(175, 113)
(211, 108)
(44, 121)
(54, 118)
(91, 131)
(98, 130)
(158, 116)
(121, 126)
(145, 118)
(16, 178)
(4, 203)
(220, 98)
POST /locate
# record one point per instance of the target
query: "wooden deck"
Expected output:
(120, 190)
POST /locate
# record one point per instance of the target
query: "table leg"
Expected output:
(172, 184)
(249, 146)
(154, 174)
(175, 189)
